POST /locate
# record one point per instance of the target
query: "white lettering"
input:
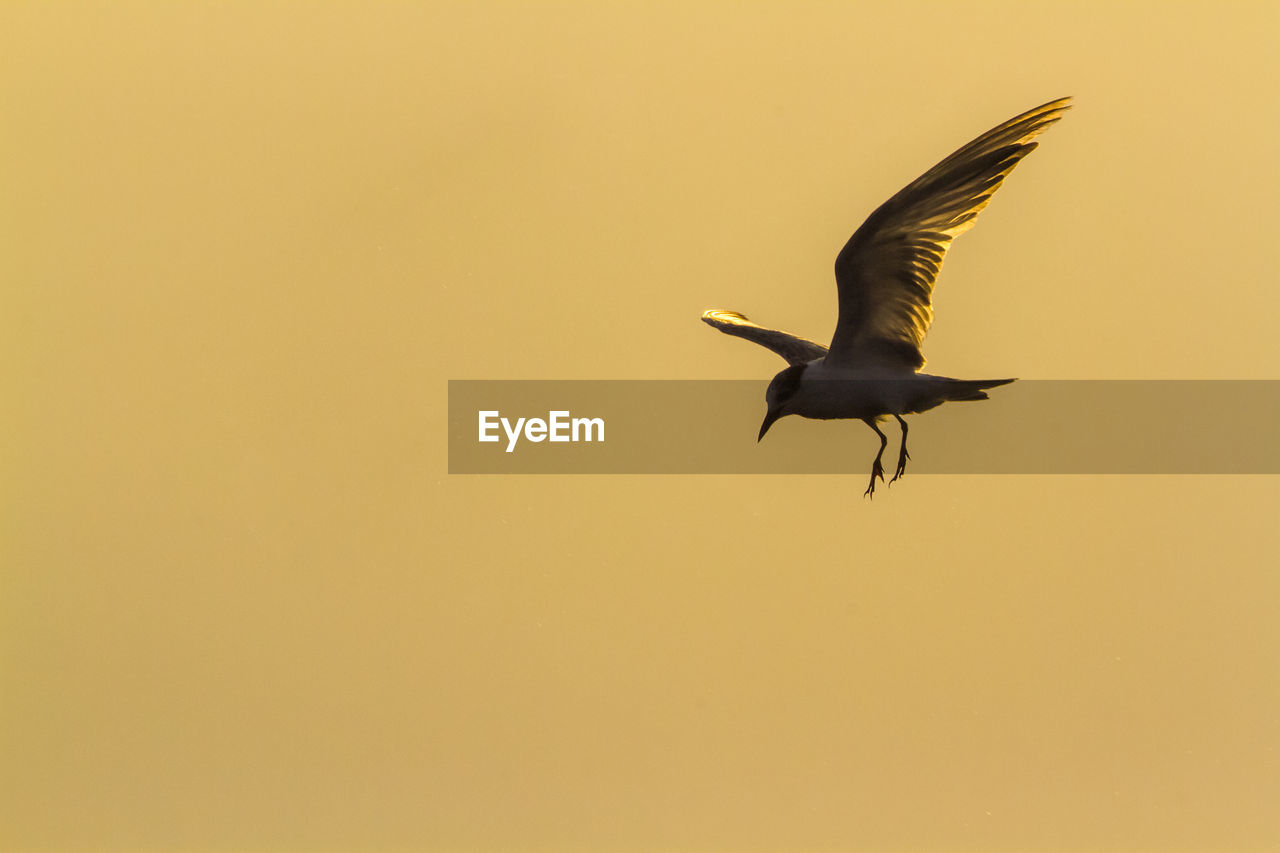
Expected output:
(486, 425)
(513, 435)
(559, 426)
(587, 423)
(559, 423)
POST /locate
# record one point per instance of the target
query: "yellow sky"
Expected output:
(244, 607)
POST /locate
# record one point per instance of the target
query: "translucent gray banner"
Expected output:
(710, 427)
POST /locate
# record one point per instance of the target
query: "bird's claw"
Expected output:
(877, 470)
(902, 467)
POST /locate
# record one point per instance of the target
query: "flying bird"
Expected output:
(885, 277)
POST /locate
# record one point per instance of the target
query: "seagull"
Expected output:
(885, 276)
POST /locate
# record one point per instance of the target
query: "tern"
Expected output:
(885, 276)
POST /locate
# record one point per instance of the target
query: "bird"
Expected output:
(885, 276)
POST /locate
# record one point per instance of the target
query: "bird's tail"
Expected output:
(972, 389)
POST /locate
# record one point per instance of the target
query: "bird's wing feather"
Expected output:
(886, 272)
(795, 350)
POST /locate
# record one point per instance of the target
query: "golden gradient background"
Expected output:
(243, 247)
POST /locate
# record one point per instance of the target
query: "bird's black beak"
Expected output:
(769, 418)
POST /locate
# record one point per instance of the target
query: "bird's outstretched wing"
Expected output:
(794, 350)
(886, 272)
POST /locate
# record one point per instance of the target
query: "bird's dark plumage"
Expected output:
(886, 271)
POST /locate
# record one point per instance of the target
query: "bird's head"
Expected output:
(781, 390)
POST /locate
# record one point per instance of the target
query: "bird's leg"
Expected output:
(903, 455)
(877, 470)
